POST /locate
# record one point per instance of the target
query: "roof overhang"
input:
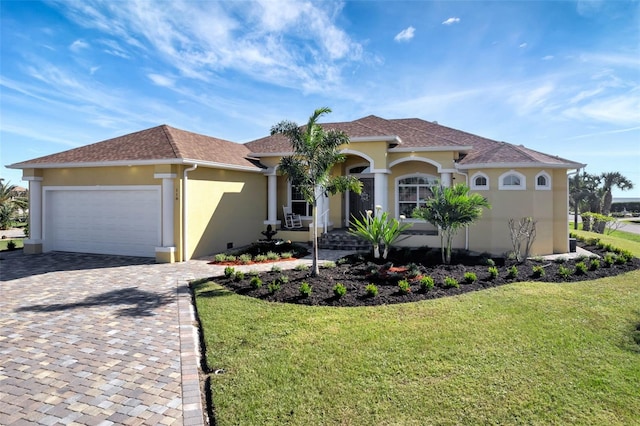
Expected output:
(432, 148)
(569, 166)
(386, 138)
(122, 163)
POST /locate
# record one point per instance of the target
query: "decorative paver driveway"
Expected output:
(97, 340)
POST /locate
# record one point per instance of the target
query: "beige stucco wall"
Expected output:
(224, 207)
(91, 176)
(547, 207)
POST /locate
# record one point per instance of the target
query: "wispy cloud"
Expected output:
(451, 21)
(161, 80)
(405, 35)
(522, 45)
(78, 45)
(547, 58)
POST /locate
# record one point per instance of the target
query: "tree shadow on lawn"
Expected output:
(139, 303)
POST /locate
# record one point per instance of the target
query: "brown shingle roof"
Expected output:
(158, 143)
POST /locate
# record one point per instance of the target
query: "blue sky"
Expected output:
(562, 77)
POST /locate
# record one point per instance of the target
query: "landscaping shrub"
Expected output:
(371, 290)
(305, 289)
(538, 271)
(426, 283)
(276, 268)
(286, 255)
(229, 271)
(256, 282)
(329, 264)
(493, 272)
(239, 276)
(564, 272)
(581, 268)
(260, 258)
(561, 260)
(491, 262)
(274, 286)
(245, 258)
(302, 267)
(220, 257)
(609, 259)
(413, 270)
(470, 277)
(272, 255)
(404, 286)
(283, 279)
(512, 272)
(339, 290)
(594, 264)
(11, 245)
(450, 282)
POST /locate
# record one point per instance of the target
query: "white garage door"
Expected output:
(116, 220)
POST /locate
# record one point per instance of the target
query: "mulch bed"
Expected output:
(358, 271)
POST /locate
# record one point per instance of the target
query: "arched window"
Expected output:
(512, 180)
(543, 181)
(412, 191)
(480, 181)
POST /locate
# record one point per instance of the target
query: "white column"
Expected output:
(380, 193)
(446, 179)
(272, 199)
(168, 217)
(35, 209)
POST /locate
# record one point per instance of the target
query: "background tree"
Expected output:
(450, 209)
(609, 181)
(585, 195)
(10, 204)
(315, 152)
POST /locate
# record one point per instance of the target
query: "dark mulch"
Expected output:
(359, 270)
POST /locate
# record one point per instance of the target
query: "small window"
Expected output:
(543, 180)
(479, 181)
(513, 180)
(298, 204)
(413, 191)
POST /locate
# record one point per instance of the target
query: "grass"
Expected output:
(525, 353)
(621, 239)
(19, 243)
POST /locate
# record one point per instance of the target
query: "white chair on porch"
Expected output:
(291, 220)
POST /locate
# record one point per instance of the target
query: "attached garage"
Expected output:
(121, 220)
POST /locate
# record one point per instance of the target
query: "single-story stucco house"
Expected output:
(176, 195)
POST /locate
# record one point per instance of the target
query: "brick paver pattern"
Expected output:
(89, 339)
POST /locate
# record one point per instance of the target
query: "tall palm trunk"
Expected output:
(315, 268)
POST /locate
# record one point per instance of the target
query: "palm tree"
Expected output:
(450, 209)
(9, 203)
(609, 181)
(315, 152)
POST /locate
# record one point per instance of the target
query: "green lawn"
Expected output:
(526, 353)
(18, 241)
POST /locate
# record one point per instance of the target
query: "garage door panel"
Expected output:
(106, 221)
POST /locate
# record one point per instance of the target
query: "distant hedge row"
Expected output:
(628, 206)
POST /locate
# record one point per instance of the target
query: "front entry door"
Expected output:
(360, 203)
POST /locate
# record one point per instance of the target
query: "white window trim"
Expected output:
(290, 201)
(397, 194)
(479, 187)
(546, 187)
(521, 187)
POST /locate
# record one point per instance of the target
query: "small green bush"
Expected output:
(271, 255)
(491, 262)
(581, 268)
(329, 264)
(245, 258)
(371, 290)
(276, 268)
(305, 289)
(260, 258)
(286, 255)
(11, 245)
(256, 282)
(274, 286)
(239, 276)
(302, 267)
(560, 260)
(404, 286)
(512, 272)
(450, 282)
(342, 261)
(229, 271)
(231, 258)
(426, 283)
(493, 272)
(470, 277)
(564, 272)
(538, 271)
(594, 264)
(220, 257)
(283, 279)
(413, 270)
(339, 290)
(609, 259)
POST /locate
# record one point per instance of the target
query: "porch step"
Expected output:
(340, 239)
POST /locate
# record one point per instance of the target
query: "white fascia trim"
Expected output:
(32, 178)
(431, 149)
(568, 166)
(387, 138)
(271, 154)
(165, 176)
(121, 163)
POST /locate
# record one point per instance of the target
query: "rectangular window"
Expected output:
(413, 192)
(298, 204)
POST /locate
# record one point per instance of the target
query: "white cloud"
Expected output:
(451, 21)
(93, 70)
(78, 45)
(161, 80)
(405, 35)
(547, 58)
(522, 45)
